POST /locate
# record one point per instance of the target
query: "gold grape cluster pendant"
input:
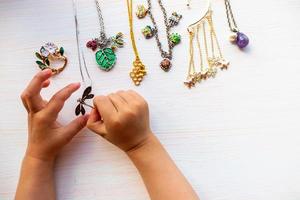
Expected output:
(138, 72)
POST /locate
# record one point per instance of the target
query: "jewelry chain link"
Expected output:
(81, 58)
(164, 54)
(102, 36)
(230, 18)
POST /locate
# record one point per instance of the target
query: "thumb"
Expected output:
(95, 123)
(74, 127)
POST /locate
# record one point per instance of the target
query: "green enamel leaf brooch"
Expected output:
(106, 58)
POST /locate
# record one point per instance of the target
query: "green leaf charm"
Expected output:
(47, 61)
(61, 51)
(38, 56)
(40, 63)
(106, 58)
(43, 67)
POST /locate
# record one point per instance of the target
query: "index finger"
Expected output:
(57, 102)
(31, 95)
(36, 84)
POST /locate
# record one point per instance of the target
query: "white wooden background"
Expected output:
(235, 137)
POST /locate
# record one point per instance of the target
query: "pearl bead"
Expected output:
(233, 37)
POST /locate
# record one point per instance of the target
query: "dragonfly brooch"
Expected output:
(86, 95)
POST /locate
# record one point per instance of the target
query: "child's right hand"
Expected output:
(124, 122)
(124, 119)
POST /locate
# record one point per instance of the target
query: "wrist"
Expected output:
(37, 165)
(38, 161)
(146, 147)
(32, 152)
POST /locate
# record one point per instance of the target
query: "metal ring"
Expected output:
(50, 52)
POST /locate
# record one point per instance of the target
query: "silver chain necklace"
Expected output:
(173, 39)
(83, 70)
(102, 37)
(164, 54)
(105, 56)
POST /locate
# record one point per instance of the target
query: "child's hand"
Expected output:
(124, 119)
(46, 136)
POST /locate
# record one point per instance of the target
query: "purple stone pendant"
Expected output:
(240, 39)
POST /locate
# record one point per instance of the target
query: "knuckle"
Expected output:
(56, 97)
(111, 95)
(116, 122)
(24, 95)
(146, 105)
(131, 91)
(140, 104)
(99, 98)
(69, 88)
(129, 114)
(120, 91)
(39, 118)
(38, 76)
(63, 94)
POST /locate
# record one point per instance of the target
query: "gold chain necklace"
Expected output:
(138, 70)
(210, 54)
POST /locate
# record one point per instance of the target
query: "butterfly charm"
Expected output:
(86, 95)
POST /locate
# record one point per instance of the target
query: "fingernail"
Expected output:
(76, 84)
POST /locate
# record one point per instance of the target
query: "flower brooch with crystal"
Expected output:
(51, 53)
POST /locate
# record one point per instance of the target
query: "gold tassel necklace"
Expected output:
(210, 55)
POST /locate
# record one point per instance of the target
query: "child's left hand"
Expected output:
(46, 137)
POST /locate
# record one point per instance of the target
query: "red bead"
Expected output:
(92, 45)
(89, 44)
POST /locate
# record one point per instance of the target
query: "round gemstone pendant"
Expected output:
(175, 39)
(242, 40)
(166, 64)
(148, 32)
